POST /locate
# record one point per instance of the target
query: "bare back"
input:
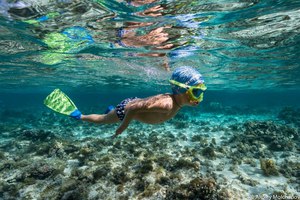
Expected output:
(155, 109)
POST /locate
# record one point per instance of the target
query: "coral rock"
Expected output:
(269, 167)
(198, 188)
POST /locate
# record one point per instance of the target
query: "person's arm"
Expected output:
(127, 119)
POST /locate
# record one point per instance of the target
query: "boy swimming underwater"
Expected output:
(187, 87)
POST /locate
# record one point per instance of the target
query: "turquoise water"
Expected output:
(241, 142)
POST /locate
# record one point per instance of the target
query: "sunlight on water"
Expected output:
(236, 44)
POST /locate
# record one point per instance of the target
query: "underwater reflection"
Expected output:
(139, 29)
(154, 35)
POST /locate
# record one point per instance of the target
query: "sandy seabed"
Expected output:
(193, 156)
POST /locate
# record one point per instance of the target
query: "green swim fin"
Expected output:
(60, 102)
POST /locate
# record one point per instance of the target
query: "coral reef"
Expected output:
(277, 137)
(40, 171)
(186, 158)
(209, 152)
(36, 135)
(197, 188)
(260, 139)
(268, 167)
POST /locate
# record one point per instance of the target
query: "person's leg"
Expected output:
(108, 118)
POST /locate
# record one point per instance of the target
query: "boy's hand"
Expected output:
(114, 136)
(124, 124)
(118, 132)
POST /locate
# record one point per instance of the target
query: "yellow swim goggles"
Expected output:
(195, 92)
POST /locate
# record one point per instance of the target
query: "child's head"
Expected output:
(186, 75)
(189, 84)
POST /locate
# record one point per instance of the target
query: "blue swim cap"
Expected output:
(186, 75)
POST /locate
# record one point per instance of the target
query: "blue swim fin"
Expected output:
(109, 108)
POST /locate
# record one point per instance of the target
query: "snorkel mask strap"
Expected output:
(179, 84)
(182, 85)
